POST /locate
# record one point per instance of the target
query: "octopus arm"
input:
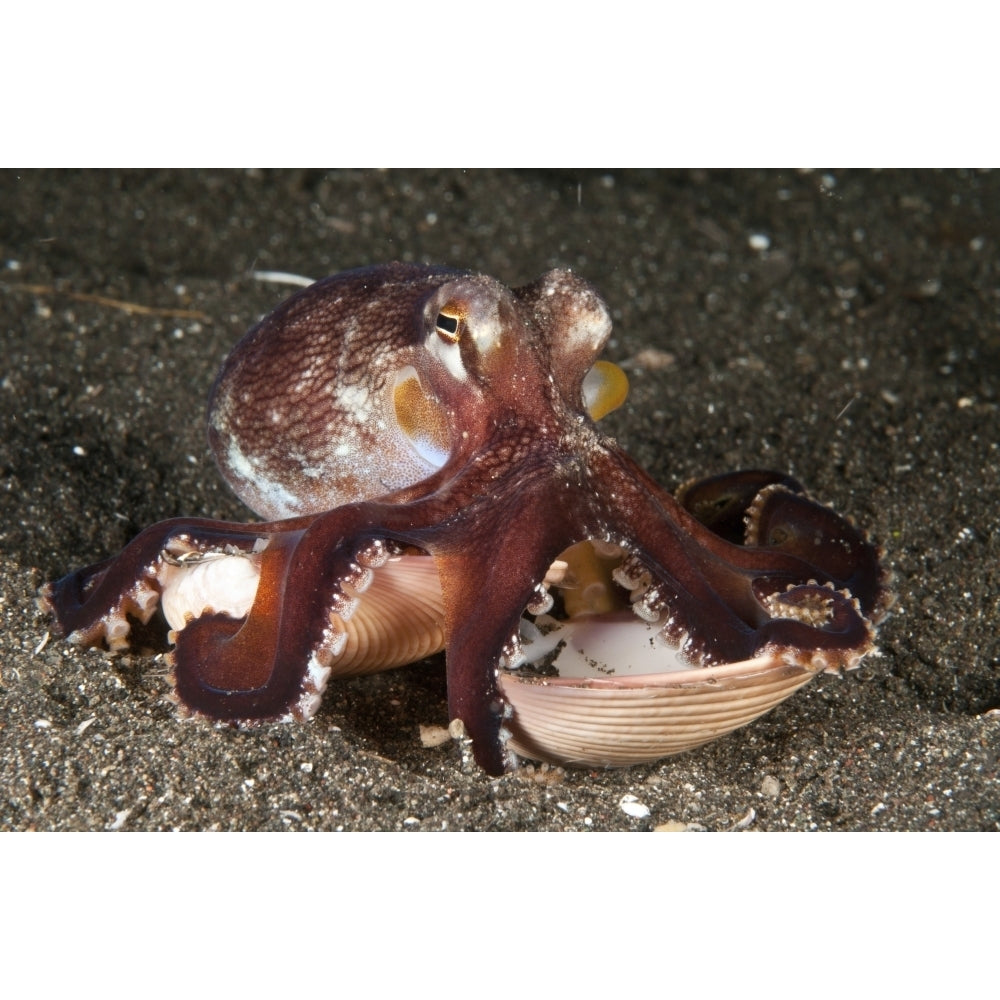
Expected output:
(93, 606)
(490, 571)
(803, 580)
(256, 613)
(256, 666)
(275, 663)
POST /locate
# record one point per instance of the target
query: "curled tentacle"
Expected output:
(253, 667)
(816, 625)
(92, 606)
(793, 523)
(722, 502)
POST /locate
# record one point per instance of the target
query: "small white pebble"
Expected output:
(79, 450)
(770, 786)
(653, 359)
(671, 826)
(306, 767)
(119, 820)
(759, 241)
(631, 806)
(434, 736)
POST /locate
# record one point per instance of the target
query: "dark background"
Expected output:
(860, 351)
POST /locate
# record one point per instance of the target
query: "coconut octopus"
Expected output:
(422, 444)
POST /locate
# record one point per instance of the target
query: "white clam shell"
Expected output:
(403, 590)
(615, 722)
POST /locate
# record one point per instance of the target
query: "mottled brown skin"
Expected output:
(527, 474)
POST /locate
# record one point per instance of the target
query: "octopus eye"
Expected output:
(447, 327)
(420, 418)
(605, 388)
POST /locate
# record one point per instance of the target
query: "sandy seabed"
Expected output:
(843, 327)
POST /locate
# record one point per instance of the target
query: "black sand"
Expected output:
(860, 350)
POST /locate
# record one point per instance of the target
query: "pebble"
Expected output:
(631, 806)
(770, 786)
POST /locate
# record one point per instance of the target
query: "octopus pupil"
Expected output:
(447, 325)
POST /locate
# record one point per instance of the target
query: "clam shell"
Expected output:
(615, 722)
(403, 591)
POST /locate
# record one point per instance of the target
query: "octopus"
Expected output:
(423, 447)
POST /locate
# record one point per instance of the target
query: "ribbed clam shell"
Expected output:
(399, 619)
(615, 722)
